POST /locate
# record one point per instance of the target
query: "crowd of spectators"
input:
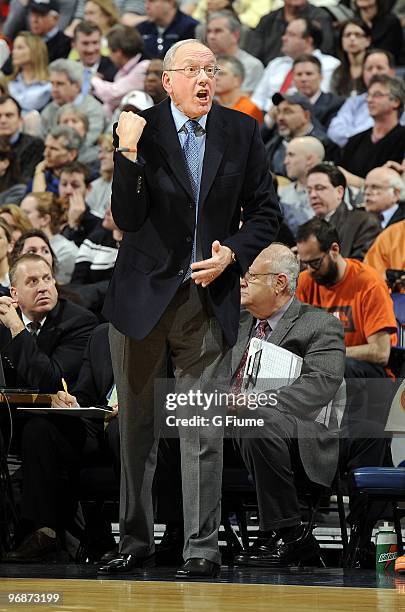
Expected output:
(327, 90)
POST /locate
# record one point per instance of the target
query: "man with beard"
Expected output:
(357, 229)
(356, 295)
(352, 291)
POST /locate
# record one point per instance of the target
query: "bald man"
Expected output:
(302, 153)
(292, 443)
(382, 193)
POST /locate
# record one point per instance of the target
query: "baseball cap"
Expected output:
(137, 98)
(43, 6)
(292, 99)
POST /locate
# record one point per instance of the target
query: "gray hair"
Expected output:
(397, 182)
(236, 65)
(73, 70)
(73, 110)
(282, 260)
(168, 60)
(233, 22)
(71, 139)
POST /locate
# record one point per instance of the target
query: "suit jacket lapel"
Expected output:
(286, 322)
(167, 139)
(275, 337)
(215, 145)
(48, 335)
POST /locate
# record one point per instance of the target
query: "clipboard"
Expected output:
(90, 411)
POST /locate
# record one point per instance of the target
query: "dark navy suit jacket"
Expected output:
(152, 201)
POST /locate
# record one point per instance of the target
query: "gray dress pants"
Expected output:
(192, 338)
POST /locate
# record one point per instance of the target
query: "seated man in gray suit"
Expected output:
(293, 440)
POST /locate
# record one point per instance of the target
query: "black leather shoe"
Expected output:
(109, 555)
(38, 546)
(264, 543)
(125, 563)
(304, 549)
(198, 568)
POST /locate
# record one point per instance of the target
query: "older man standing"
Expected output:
(183, 170)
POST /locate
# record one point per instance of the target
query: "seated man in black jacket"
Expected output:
(42, 337)
(55, 447)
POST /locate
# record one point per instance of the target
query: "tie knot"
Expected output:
(33, 327)
(192, 126)
(262, 329)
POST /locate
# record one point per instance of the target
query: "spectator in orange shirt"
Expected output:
(388, 252)
(359, 298)
(228, 91)
(353, 292)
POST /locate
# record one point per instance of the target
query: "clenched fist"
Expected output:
(129, 129)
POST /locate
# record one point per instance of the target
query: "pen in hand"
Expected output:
(64, 385)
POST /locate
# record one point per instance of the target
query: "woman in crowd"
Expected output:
(29, 82)
(12, 186)
(34, 241)
(16, 219)
(354, 40)
(99, 196)
(73, 117)
(386, 30)
(103, 13)
(5, 249)
(47, 212)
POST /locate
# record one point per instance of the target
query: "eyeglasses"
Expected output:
(193, 71)
(252, 277)
(315, 264)
(377, 94)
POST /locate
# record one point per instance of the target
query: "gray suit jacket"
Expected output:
(357, 230)
(317, 337)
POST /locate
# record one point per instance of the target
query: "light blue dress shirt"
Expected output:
(32, 96)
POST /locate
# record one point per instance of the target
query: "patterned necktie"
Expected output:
(34, 328)
(190, 150)
(261, 332)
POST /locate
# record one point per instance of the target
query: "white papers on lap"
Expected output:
(269, 366)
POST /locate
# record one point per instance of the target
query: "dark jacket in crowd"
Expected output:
(181, 28)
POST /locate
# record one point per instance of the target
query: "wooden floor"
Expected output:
(143, 596)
